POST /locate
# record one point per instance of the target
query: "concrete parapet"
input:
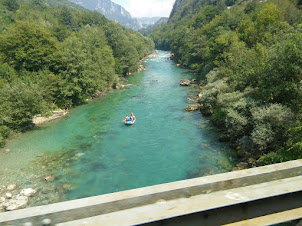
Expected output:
(249, 193)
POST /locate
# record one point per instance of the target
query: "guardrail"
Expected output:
(213, 200)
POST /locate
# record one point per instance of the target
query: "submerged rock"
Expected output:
(16, 203)
(29, 192)
(40, 155)
(7, 151)
(49, 178)
(79, 154)
(185, 82)
(11, 187)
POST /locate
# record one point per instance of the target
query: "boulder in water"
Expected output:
(193, 99)
(194, 81)
(11, 187)
(193, 107)
(8, 195)
(16, 203)
(185, 82)
(29, 192)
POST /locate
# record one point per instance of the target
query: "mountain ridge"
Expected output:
(111, 11)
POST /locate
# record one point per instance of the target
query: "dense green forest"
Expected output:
(248, 57)
(54, 54)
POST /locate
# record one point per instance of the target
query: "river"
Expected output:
(91, 152)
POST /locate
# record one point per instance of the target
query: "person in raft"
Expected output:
(132, 117)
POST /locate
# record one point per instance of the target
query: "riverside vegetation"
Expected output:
(248, 57)
(55, 54)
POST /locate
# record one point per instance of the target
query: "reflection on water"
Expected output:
(92, 152)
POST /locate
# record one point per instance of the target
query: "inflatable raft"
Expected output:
(130, 122)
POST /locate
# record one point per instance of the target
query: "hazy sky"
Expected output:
(147, 8)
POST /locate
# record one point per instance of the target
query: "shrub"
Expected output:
(209, 94)
(236, 123)
(262, 136)
(225, 99)
(212, 76)
(278, 116)
(244, 106)
(270, 123)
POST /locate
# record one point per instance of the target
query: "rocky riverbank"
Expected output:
(141, 67)
(37, 184)
(12, 199)
(38, 120)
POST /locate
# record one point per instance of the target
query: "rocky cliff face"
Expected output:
(148, 29)
(111, 11)
(177, 4)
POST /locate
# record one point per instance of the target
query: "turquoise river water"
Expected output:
(91, 152)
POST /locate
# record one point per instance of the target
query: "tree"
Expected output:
(294, 142)
(281, 80)
(28, 46)
(124, 50)
(65, 16)
(19, 102)
(11, 5)
(87, 65)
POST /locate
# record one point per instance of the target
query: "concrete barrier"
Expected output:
(248, 193)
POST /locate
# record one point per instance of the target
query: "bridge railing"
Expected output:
(213, 200)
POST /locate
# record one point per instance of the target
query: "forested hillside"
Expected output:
(53, 55)
(248, 57)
